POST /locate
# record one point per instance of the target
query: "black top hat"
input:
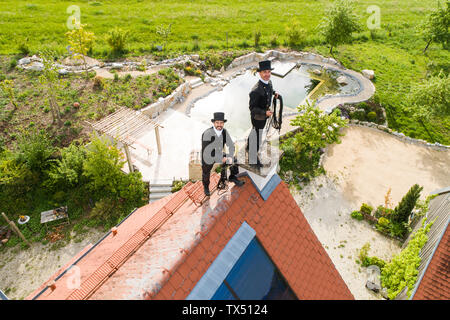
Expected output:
(219, 116)
(264, 65)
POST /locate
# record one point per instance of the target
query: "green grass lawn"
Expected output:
(395, 51)
(43, 23)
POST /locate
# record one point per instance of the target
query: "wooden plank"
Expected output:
(118, 115)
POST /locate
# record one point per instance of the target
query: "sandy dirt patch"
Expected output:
(361, 169)
(368, 162)
(24, 270)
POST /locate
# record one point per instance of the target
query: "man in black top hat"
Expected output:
(260, 101)
(213, 143)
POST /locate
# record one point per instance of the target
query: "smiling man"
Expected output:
(260, 101)
(214, 140)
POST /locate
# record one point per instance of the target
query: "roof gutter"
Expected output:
(96, 244)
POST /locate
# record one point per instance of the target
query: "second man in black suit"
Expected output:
(214, 140)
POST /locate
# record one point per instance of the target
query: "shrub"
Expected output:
(127, 78)
(177, 185)
(67, 171)
(370, 261)
(402, 271)
(357, 215)
(383, 224)
(102, 167)
(257, 38)
(116, 39)
(365, 208)
(35, 148)
(15, 176)
(364, 251)
(195, 46)
(104, 208)
(372, 116)
(358, 114)
(274, 40)
(12, 63)
(98, 83)
(243, 44)
(295, 34)
(382, 211)
(23, 48)
(398, 229)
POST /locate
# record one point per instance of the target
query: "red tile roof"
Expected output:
(435, 284)
(163, 249)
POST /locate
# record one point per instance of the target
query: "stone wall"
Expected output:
(163, 104)
(399, 135)
(272, 54)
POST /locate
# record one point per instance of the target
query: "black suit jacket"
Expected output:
(260, 100)
(213, 146)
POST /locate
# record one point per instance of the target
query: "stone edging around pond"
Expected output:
(366, 87)
(177, 96)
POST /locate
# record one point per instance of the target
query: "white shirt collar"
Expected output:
(218, 133)
(265, 82)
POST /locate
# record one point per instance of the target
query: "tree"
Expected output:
(435, 28)
(50, 81)
(164, 33)
(301, 152)
(405, 207)
(80, 42)
(103, 169)
(431, 97)
(338, 23)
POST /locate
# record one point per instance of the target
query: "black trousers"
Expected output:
(206, 172)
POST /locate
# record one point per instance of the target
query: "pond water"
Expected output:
(295, 87)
